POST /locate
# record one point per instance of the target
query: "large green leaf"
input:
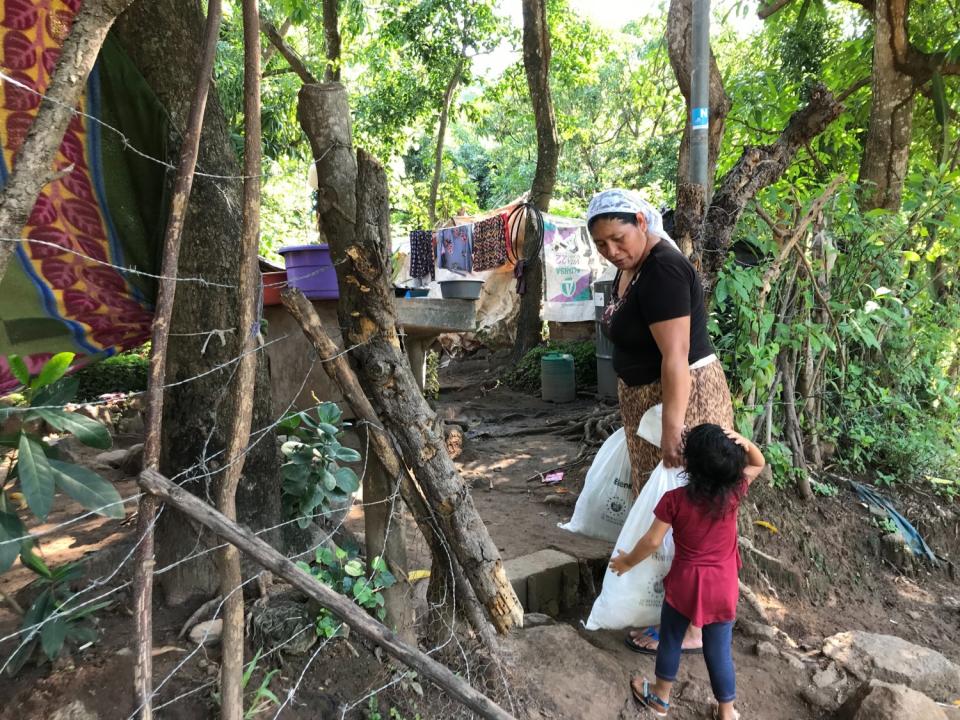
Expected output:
(53, 370)
(52, 636)
(11, 529)
(36, 476)
(59, 393)
(86, 430)
(88, 489)
(19, 369)
(347, 479)
(33, 561)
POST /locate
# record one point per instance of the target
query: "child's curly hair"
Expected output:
(714, 467)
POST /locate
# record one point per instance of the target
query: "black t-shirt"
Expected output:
(666, 287)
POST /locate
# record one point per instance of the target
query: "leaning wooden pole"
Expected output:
(231, 663)
(338, 369)
(354, 217)
(147, 511)
(345, 610)
(32, 165)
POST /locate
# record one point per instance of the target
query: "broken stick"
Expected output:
(361, 623)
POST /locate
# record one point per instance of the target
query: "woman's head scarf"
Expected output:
(618, 200)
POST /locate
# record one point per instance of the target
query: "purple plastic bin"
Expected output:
(310, 269)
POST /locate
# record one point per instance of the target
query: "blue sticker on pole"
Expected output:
(700, 118)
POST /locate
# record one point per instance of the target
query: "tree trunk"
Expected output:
(691, 201)
(886, 150)
(536, 63)
(441, 136)
(757, 168)
(157, 36)
(331, 34)
(33, 163)
(354, 213)
(160, 337)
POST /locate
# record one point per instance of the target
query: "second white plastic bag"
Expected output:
(602, 506)
(635, 598)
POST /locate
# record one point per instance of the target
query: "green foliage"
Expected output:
(526, 375)
(373, 711)
(53, 621)
(37, 470)
(262, 697)
(343, 570)
(126, 372)
(313, 479)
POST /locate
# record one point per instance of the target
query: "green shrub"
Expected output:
(126, 372)
(526, 375)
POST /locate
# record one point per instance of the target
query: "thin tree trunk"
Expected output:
(536, 62)
(289, 54)
(341, 607)
(32, 164)
(331, 36)
(441, 137)
(231, 663)
(270, 50)
(143, 572)
(354, 212)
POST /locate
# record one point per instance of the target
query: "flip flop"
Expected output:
(652, 633)
(650, 701)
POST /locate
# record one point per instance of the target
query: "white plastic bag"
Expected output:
(603, 505)
(634, 598)
(650, 427)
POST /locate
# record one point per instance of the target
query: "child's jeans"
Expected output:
(717, 651)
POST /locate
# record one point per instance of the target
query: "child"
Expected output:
(702, 586)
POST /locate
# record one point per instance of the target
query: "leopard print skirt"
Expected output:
(709, 402)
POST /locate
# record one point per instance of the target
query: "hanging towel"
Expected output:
(421, 254)
(489, 244)
(455, 248)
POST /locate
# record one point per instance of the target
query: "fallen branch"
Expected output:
(345, 610)
(747, 594)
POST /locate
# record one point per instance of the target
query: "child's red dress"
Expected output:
(702, 583)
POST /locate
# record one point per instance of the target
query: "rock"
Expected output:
(74, 711)
(828, 699)
(131, 425)
(766, 648)
(569, 677)
(563, 500)
(886, 657)
(207, 633)
(794, 660)
(894, 549)
(830, 675)
(914, 615)
(950, 602)
(132, 462)
(756, 630)
(532, 620)
(878, 700)
(111, 458)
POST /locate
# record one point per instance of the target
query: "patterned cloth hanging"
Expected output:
(455, 248)
(421, 254)
(489, 244)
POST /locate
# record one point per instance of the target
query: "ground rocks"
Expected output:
(579, 681)
(878, 700)
(207, 633)
(74, 711)
(885, 657)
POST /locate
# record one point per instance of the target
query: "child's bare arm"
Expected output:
(755, 459)
(645, 547)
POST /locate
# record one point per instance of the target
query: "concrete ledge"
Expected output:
(432, 316)
(546, 581)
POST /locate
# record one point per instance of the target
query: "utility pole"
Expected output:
(700, 97)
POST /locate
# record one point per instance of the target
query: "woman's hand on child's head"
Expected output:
(621, 563)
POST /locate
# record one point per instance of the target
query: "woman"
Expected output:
(657, 323)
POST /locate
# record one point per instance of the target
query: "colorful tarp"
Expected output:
(66, 288)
